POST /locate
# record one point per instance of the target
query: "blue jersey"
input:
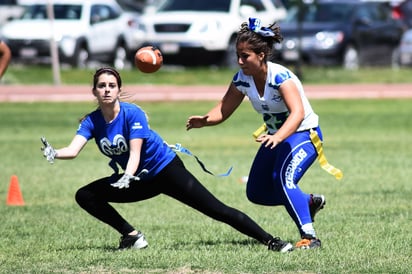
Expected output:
(113, 138)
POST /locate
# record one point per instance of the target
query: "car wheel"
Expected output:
(395, 58)
(120, 58)
(351, 58)
(81, 58)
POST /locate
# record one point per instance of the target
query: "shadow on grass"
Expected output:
(178, 245)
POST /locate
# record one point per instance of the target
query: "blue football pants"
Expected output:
(275, 173)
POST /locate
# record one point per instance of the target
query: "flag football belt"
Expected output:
(180, 148)
(314, 137)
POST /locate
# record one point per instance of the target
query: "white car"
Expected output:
(83, 30)
(405, 49)
(196, 32)
(9, 9)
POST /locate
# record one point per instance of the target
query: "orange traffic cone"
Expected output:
(14, 196)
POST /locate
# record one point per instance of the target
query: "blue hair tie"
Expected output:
(255, 26)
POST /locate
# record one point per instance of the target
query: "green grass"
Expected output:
(365, 227)
(196, 76)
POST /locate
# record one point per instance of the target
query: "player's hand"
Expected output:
(124, 181)
(196, 122)
(48, 151)
(268, 140)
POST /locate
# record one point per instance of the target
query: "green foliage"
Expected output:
(196, 76)
(364, 228)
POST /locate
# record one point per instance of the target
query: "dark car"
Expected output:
(350, 33)
(403, 11)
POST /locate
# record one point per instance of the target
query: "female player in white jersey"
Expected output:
(122, 133)
(5, 57)
(286, 150)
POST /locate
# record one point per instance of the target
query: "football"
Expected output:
(148, 59)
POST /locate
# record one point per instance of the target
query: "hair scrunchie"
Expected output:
(255, 26)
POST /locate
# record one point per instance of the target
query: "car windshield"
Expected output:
(61, 12)
(196, 5)
(327, 12)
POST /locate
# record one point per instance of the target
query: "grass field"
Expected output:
(365, 226)
(196, 76)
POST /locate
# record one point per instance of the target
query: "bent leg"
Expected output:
(300, 157)
(95, 197)
(275, 173)
(180, 184)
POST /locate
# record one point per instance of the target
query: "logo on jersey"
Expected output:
(276, 98)
(293, 166)
(275, 120)
(137, 125)
(118, 146)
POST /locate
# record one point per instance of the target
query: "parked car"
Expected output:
(83, 30)
(199, 32)
(350, 33)
(405, 49)
(9, 9)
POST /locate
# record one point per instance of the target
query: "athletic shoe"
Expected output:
(137, 241)
(276, 244)
(317, 202)
(308, 242)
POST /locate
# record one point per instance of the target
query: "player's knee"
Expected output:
(82, 196)
(261, 198)
(253, 196)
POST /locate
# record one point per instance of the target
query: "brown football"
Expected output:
(148, 59)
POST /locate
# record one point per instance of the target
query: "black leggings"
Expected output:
(175, 181)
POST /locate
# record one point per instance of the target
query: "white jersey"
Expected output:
(271, 105)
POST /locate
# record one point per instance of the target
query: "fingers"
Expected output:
(123, 182)
(190, 122)
(267, 141)
(196, 122)
(120, 185)
(48, 151)
(44, 141)
(188, 125)
(126, 179)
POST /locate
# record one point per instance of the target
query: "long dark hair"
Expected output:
(257, 42)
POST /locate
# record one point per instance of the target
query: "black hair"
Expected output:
(257, 42)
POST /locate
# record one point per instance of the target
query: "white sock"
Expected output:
(308, 229)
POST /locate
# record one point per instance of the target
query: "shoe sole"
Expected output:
(140, 243)
(287, 248)
(308, 244)
(307, 247)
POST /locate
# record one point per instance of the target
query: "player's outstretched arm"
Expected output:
(64, 153)
(218, 114)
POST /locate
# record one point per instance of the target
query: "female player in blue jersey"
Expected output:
(122, 133)
(286, 150)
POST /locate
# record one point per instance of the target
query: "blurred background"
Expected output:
(195, 33)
